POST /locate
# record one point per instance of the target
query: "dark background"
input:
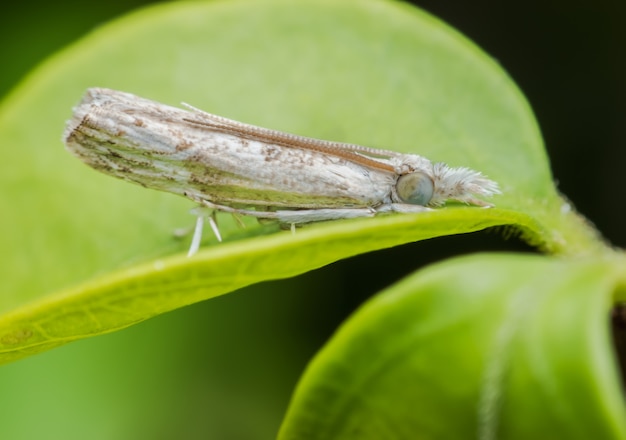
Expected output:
(569, 59)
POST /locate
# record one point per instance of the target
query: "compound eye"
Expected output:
(415, 188)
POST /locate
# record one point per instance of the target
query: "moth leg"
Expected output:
(202, 214)
(182, 232)
(294, 217)
(237, 218)
(402, 208)
(197, 236)
(316, 215)
(237, 211)
(213, 223)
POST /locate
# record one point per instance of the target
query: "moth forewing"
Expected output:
(234, 167)
(274, 137)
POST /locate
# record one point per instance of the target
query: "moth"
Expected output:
(229, 166)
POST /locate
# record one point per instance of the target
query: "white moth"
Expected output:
(225, 165)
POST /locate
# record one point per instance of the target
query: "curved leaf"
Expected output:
(370, 72)
(490, 346)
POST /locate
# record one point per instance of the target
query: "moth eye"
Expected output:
(415, 188)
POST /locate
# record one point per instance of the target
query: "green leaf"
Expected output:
(86, 254)
(490, 346)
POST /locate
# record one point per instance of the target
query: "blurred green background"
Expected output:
(225, 368)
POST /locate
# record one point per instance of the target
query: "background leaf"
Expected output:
(198, 372)
(369, 72)
(491, 346)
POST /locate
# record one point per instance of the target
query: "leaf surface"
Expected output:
(86, 254)
(487, 346)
